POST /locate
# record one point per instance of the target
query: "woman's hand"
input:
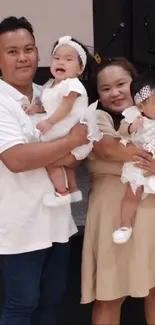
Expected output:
(146, 163)
(132, 152)
(110, 148)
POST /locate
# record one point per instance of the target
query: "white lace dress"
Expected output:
(145, 139)
(81, 112)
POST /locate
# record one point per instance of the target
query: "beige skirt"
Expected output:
(111, 271)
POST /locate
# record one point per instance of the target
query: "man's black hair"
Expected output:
(13, 23)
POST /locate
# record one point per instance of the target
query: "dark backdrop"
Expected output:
(133, 40)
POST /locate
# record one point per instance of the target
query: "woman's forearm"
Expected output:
(110, 148)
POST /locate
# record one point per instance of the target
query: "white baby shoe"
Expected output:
(56, 199)
(122, 235)
(76, 196)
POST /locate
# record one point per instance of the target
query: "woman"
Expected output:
(111, 272)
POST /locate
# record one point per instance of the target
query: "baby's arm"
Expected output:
(34, 109)
(62, 111)
(126, 129)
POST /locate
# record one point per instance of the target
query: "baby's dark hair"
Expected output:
(142, 80)
(86, 76)
(12, 23)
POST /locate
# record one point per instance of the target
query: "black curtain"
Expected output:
(133, 22)
(144, 32)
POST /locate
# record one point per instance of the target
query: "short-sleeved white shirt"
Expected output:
(25, 223)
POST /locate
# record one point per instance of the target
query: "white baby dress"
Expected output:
(81, 112)
(144, 139)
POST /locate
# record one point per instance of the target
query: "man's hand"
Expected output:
(79, 134)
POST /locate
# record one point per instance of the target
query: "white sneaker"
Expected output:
(122, 235)
(56, 199)
(76, 196)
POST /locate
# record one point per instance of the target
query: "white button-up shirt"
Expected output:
(25, 223)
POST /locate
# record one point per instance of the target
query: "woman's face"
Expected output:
(113, 84)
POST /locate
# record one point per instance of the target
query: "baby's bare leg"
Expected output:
(76, 194)
(57, 177)
(71, 176)
(129, 206)
(128, 211)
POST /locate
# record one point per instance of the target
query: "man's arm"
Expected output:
(19, 156)
(68, 161)
(28, 156)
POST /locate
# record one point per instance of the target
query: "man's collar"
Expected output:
(15, 94)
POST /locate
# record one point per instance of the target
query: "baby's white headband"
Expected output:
(143, 94)
(67, 40)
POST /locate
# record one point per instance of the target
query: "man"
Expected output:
(34, 240)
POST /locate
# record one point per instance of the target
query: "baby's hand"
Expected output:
(136, 125)
(33, 109)
(44, 126)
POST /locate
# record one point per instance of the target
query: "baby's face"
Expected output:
(148, 107)
(65, 63)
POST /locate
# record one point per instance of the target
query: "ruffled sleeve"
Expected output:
(95, 165)
(130, 114)
(106, 126)
(72, 84)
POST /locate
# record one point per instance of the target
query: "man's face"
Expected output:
(18, 57)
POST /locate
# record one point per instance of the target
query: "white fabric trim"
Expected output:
(143, 94)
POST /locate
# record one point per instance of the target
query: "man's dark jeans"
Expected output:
(34, 285)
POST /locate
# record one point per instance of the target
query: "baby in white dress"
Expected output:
(65, 102)
(138, 127)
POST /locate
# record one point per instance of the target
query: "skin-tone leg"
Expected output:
(149, 305)
(129, 206)
(107, 312)
(57, 177)
(71, 176)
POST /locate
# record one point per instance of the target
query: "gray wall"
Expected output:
(52, 19)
